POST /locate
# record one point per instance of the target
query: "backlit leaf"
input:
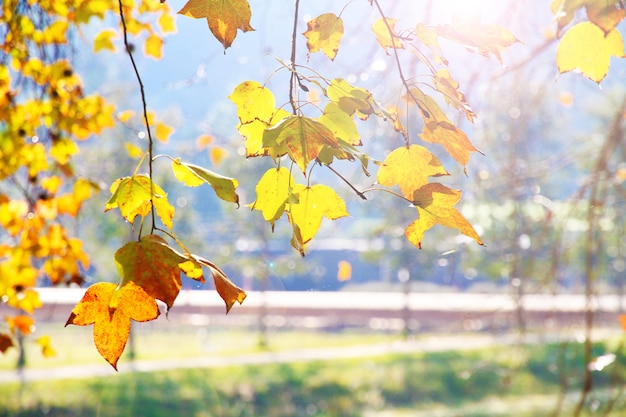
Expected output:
(314, 202)
(351, 99)
(383, 36)
(167, 23)
(162, 132)
(228, 291)
(104, 40)
(223, 186)
(344, 271)
(324, 32)
(153, 46)
(303, 137)
(272, 193)
(133, 150)
(435, 205)
(484, 39)
(154, 266)
(46, 347)
(449, 87)
(111, 317)
(340, 123)
(410, 169)
(224, 17)
(586, 48)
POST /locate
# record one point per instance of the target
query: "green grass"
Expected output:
(499, 381)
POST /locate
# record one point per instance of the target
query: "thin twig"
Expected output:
(145, 111)
(359, 193)
(294, 75)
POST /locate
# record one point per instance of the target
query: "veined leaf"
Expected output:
(228, 291)
(449, 87)
(383, 36)
(303, 137)
(153, 265)
(224, 17)
(410, 169)
(132, 195)
(272, 193)
(340, 123)
(351, 99)
(435, 205)
(324, 32)
(112, 325)
(587, 48)
(193, 175)
(484, 39)
(314, 203)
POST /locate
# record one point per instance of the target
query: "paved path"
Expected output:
(431, 344)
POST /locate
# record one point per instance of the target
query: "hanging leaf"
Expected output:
(132, 196)
(154, 266)
(45, 344)
(104, 40)
(193, 175)
(228, 291)
(483, 39)
(586, 48)
(340, 123)
(110, 308)
(605, 14)
(256, 111)
(384, 38)
(351, 99)
(435, 205)
(314, 203)
(272, 193)
(410, 169)
(224, 17)
(449, 87)
(324, 32)
(303, 137)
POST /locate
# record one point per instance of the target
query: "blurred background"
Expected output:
(365, 324)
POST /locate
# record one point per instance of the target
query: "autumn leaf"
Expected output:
(384, 38)
(449, 87)
(104, 40)
(429, 37)
(435, 205)
(483, 39)
(324, 32)
(340, 123)
(228, 291)
(110, 309)
(223, 16)
(351, 99)
(314, 203)
(256, 111)
(344, 271)
(303, 137)
(154, 266)
(585, 47)
(410, 169)
(162, 132)
(272, 193)
(5, 342)
(132, 195)
(46, 347)
(193, 175)
(439, 129)
(606, 15)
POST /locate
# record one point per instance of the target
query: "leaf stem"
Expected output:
(145, 110)
(294, 75)
(359, 193)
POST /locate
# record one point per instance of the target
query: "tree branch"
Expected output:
(145, 111)
(294, 75)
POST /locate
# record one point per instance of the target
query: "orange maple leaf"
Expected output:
(110, 308)
(224, 17)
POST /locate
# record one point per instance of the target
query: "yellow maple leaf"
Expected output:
(46, 347)
(585, 47)
(224, 17)
(383, 36)
(435, 205)
(314, 203)
(153, 46)
(324, 32)
(104, 40)
(272, 193)
(163, 132)
(410, 169)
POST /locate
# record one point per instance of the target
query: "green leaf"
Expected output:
(340, 123)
